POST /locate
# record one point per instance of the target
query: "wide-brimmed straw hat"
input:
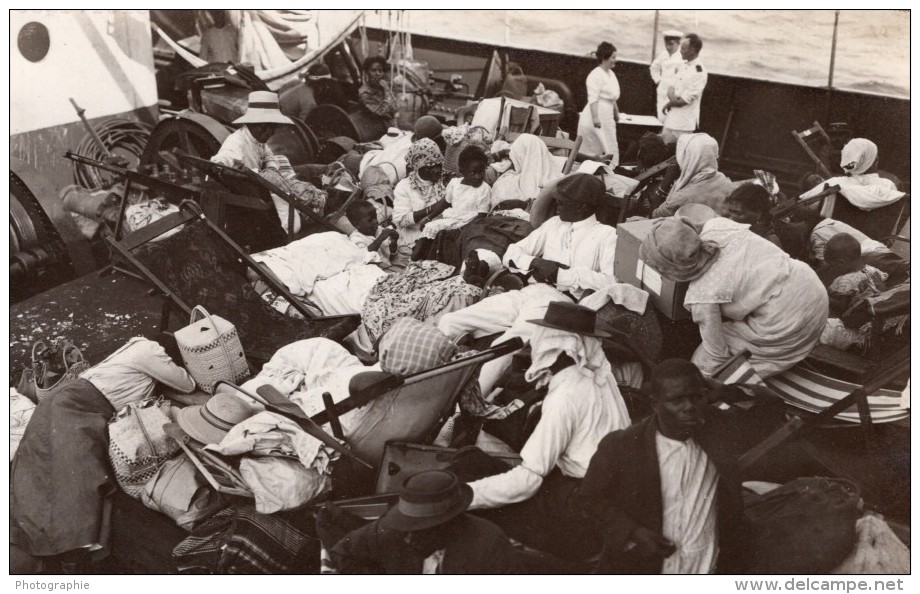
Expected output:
(263, 108)
(571, 317)
(428, 499)
(209, 423)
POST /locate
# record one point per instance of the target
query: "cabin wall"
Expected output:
(103, 59)
(752, 119)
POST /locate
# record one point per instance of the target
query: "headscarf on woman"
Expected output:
(858, 156)
(423, 153)
(697, 156)
(700, 180)
(866, 191)
(673, 247)
(533, 169)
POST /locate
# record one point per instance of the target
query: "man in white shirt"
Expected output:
(665, 66)
(534, 502)
(682, 111)
(665, 492)
(247, 146)
(568, 256)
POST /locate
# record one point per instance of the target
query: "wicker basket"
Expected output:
(211, 350)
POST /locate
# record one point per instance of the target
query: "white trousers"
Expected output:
(507, 313)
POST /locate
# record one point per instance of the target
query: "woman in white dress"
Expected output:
(597, 124)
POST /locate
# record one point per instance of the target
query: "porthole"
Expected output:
(34, 41)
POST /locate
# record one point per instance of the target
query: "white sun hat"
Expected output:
(263, 109)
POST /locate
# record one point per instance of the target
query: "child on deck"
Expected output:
(848, 279)
(468, 196)
(363, 217)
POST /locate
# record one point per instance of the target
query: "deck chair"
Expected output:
(644, 179)
(411, 408)
(814, 141)
(824, 399)
(198, 264)
(561, 144)
(251, 184)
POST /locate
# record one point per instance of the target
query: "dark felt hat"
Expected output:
(428, 499)
(580, 187)
(571, 317)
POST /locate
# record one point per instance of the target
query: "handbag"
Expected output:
(180, 492)
(138, 446)
(43, 377)
(211, 350)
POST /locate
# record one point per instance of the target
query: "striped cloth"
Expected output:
(739, 372)
(815, 392)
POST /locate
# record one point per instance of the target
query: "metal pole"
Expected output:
(654, 36)
(830, 74)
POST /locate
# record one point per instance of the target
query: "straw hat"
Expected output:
(211, 422)
(428, 499)
(571, 317)
(263, 108)
(671, 33)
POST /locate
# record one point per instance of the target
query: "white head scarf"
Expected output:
(858, 156)
(697, 156)
(533, 168)
(548, 343)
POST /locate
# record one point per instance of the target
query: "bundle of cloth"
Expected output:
(326, 270)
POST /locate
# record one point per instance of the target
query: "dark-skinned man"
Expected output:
(664, 492)
(567, 256)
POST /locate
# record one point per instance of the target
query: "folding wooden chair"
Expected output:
(818, 138)
(827, 399)
(644, 179)
(198, 264)
(238, 180)
(411, 408)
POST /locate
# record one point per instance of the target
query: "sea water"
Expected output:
(873, 47)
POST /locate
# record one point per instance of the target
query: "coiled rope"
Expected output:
(124, 138)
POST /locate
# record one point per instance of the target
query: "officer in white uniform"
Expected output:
(682, 111)
(664, 67)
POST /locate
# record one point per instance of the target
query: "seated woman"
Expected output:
(533, 168)
(418, 197)
(376, 97)
(60, 479)
(700, 180)
(749, 204)
(862, 187)
(745, 293)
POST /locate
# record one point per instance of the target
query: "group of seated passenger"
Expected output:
(596, 480)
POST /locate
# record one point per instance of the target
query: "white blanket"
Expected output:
(316, 257)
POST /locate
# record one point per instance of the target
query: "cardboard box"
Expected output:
(665, 295)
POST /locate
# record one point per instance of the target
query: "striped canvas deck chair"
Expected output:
(827, 398)
(812, 391)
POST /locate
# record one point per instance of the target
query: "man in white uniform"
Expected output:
(664, 67)
(682, 111)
